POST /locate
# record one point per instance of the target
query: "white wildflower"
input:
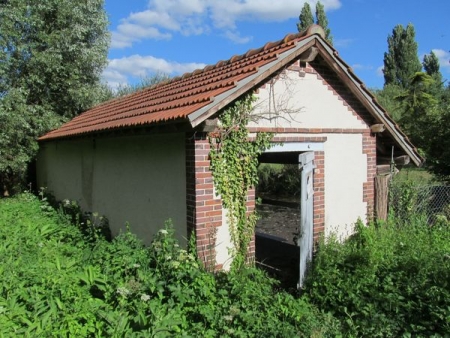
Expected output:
(228, 318)
(123, 291)
(145, 297)
(135, 265)
(163, 232)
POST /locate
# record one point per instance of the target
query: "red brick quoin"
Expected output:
(204, 209)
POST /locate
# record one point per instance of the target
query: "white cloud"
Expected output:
(444, 59)
(380, 70)
(341, 43)
(162, 18)
(128, 69)
(236, 38)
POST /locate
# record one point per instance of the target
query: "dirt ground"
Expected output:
(276, 251)
(278, 221)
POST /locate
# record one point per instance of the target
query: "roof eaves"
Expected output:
(372, 105)
(249, 82)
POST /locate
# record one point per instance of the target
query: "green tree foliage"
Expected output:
(401, 61)
(321, 20)
(438, 145)
(419, 106)
(386, 97)
(52, 55)
(145, 82)
(306, 18)
(432, 67)
(425, 116)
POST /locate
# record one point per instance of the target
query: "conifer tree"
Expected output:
(401, 61)
(431, 65)
(321, 20)
(306, 18)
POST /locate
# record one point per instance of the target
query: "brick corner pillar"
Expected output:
(204, 210)
(251, 205)
(319, 195)
(370, 149)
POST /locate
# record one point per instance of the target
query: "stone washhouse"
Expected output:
(144, 158)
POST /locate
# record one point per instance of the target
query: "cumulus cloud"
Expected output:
(236, 38)
(380, 71)
(162, 18)
(128, 69)
(444, 59)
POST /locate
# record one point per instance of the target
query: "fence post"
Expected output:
(382, 196)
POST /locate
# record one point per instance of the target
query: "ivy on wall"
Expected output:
(234, 164)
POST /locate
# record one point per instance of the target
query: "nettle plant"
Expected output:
(234, 164)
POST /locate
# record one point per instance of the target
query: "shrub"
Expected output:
(389, 280)
(56, 280)
(279, 179)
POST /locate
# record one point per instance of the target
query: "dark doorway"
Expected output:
(277, 229)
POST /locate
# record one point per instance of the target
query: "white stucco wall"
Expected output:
(345, 174)
(224, 245)
(136, 179)
(302, 102)
(306, 103)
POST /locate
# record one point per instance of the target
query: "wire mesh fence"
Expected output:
(429, 201)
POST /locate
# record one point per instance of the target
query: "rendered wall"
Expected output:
(305, 108)
(135, 179)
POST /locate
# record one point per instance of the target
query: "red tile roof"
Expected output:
(195, 96)
(179, 97)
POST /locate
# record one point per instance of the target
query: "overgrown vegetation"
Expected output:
(56, 281)
(234, 165)
(388, 279)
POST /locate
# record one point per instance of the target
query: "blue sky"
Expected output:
(178, 36)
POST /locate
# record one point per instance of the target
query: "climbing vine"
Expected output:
(234, 164)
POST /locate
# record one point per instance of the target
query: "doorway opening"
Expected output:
(278, 194)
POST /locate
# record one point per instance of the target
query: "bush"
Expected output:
(56, 281)
(389, 280)
(279, 179)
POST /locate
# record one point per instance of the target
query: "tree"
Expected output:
(306, 18)
(387, 99)
(321, 20)
(431, 65)
(51, 58)
(145, 82)
(438, 151)
(401, 61)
